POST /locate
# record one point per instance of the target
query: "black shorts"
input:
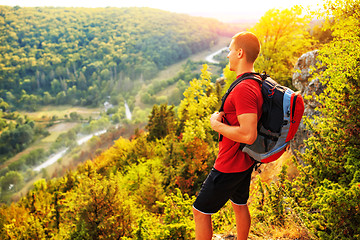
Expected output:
(219, 187)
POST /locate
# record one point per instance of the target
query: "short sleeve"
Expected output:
(247, 98)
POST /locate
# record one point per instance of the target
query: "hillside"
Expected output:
(143, 187)
(70, 59)
(80, 56)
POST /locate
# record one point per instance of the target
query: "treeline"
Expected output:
(112, 191)
(17, 132)
(143, 188)
(181, 81)
(79, 56)
(14, 139)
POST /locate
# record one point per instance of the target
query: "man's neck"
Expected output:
(245, 70)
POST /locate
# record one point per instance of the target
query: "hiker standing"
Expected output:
(237, 123)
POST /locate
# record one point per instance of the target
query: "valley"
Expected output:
(105, 132)
(57, 118)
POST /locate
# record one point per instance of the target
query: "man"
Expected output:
(231, 174)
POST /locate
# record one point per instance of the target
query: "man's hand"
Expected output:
(246, 132)
(215, 119)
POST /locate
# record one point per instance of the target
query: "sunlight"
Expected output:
(228, 10)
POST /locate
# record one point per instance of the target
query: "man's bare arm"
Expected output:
(245, 133)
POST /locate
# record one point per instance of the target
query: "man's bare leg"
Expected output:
(243, 221)
(203, 225)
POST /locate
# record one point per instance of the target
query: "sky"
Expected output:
(224, 10)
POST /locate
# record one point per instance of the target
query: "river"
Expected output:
(54, 157)
(211, 59)
(127, 111)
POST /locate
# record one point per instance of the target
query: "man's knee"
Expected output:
(198, 216)
(240, 207)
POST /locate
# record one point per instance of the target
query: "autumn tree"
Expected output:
(195, 109)
(327, 191)
(196, 160)
(98, 209)
(12, 181)
(16, 222)
(178, 223)
(144, 178)
(283, 37)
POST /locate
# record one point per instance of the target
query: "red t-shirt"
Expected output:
(244, 98)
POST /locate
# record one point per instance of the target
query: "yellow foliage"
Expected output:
(100, 208)
(284, 37)
(195, 109)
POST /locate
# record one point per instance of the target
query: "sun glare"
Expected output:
(228, 10)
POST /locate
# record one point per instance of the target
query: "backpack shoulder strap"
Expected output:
(250, 75)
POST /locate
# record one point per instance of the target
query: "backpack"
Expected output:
(282, 113)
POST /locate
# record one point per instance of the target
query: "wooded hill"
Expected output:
(80, 55)
(143, 188)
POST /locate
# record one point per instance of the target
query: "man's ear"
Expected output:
(240, 53)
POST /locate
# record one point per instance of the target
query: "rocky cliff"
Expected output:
(305, 68)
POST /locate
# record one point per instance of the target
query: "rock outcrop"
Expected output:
(305, 68)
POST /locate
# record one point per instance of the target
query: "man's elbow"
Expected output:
(250, 138)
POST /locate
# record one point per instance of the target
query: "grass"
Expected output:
(47, 112)
(291, 230)
(57, 129)
(45, 143)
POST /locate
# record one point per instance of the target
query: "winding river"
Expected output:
(211, 59)
(54, 157)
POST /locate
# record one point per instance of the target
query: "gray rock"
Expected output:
(305, 68)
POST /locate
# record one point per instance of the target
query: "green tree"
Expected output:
(34, 157)
(21, 136)
(12, 181)
(74, 116)
(48, 99)
(284, 37)
(161, 122)
(327, 191)
(4, 106)
(3, 124)
(29, 101)
(55, 86)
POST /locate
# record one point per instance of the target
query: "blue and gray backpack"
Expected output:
(280, 119)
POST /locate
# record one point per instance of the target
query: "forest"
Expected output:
(80, 56)
(143, 187)
(85, 57)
